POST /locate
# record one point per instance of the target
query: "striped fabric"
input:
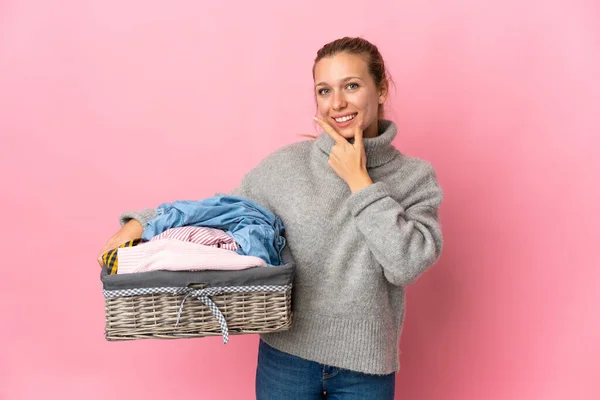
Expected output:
(110, 257)
(194, 234)
(201, 235)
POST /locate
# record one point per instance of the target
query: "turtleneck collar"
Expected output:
(379, 149)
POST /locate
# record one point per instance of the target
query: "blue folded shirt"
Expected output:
(257, 231)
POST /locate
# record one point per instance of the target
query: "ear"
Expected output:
(383, 91)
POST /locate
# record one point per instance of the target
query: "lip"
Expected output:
(344, 124)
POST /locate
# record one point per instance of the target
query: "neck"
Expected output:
(372, 130)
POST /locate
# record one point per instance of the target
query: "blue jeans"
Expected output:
(282, 376)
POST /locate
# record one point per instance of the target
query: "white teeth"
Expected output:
(346, 118)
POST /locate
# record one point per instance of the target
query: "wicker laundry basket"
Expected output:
(187, 304)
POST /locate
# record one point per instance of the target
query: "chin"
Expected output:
(347, 132)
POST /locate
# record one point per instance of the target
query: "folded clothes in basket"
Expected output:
(177, 255)
(181, 248)
(184, 289)
(212, 278)
(256, 230)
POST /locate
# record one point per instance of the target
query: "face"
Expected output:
(346, 94)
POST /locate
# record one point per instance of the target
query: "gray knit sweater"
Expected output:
(354, 252)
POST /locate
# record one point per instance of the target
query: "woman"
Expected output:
(361, 223)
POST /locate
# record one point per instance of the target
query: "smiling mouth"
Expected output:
(345, 118)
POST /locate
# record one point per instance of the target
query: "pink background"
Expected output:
(108, 105)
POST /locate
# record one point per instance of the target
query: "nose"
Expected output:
(339, 101)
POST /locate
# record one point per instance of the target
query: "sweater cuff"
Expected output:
(142, 216)
(361, 199)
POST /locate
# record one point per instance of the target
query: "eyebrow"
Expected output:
(343, 80)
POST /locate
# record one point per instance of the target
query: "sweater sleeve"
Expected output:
(404, 240)
(142, 216)
(239, 190)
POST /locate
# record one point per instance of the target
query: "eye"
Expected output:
(322, 91)
(352, 86)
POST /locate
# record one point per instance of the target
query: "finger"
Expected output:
(339, 139)
(358, 135)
